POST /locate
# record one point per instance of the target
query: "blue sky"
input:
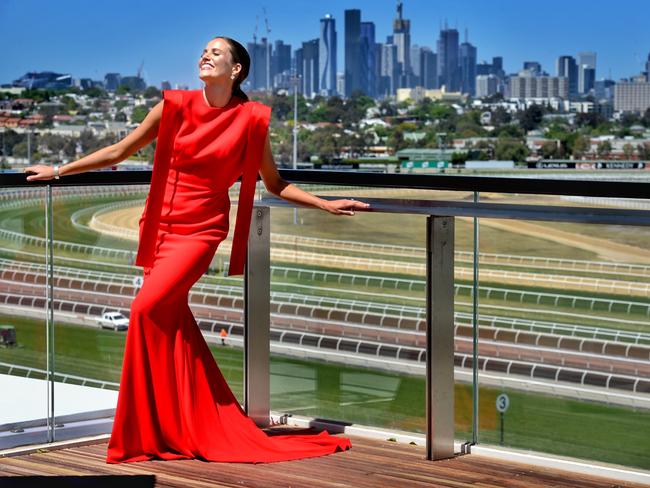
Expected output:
(89, 39)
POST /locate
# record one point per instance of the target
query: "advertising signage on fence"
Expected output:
(569, 164)
(552, 165)
(425, 164)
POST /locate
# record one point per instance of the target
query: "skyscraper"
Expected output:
(402, 39)
(448, 72)
(369, 70)
(259, 77)
(534, 67)
(467, 55)
(281, 58)
(486, 85)
(389, 69)
(327, 56)
(586, 71)
(352, 51)
(112, 81)
(567, 67)
(428, 68)
(310, 67)
(416, 64)
(647, 69)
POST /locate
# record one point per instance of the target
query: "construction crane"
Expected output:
(266, 23)
(257, 21)
(268, 51)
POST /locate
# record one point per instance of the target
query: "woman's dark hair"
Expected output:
(239, 55)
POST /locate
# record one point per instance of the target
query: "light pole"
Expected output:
(29, 145)
(295, 80)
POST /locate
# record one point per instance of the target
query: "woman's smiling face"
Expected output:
(215, 61)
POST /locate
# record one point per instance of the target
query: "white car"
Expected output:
(113, 320)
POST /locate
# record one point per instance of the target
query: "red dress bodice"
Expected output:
(201, 152)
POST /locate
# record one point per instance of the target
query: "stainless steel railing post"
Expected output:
(440, 338)
(257, 319)
(49, 311)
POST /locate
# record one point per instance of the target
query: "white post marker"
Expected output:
(503, 402)
(137, 281)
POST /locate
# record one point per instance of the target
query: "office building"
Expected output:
(310, 67)
(486, 85)
(604, 90)
(533, 67)
(112, 81)
(467, 62)
(369, 69)
(259, 77)
(402, 40)
(416, 64)
(448, 67)
(389, 69)
(352, 51)
(632, 96)
(527, 86)
(586, 72)
(133, 83)
(327, 56)
(280, 58)
(428, 68)
(567, 68)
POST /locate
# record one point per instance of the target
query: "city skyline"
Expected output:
(146, 35)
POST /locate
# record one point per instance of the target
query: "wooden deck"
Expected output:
(370, 463)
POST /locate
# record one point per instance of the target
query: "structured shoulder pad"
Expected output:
(174, 97)
(261, 114)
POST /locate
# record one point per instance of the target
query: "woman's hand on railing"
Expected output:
(344, 206)
(42, 172)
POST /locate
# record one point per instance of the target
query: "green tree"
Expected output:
(95, 92)
(530, 118)
(629, 119)
(69, 104)
(281, 106)
(643, 150)
(604, 149)
(139, 113)
(19, 150)
(510, 130)
(581, 145)
(396, 141)
(387, 109)
(120, 117)
(550, 150)
(645, 120)
(500, 116)
(628, 151)
(510, 150)
(152, 92)
(589, 119)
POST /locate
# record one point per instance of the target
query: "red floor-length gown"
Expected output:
(174, 402)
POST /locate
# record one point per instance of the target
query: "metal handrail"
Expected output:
(537, 186)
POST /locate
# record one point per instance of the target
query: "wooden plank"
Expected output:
(370, 463)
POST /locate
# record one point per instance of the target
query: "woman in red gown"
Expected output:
(173, 401)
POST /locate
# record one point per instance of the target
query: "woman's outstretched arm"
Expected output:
(288, 191)
(109, 155)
